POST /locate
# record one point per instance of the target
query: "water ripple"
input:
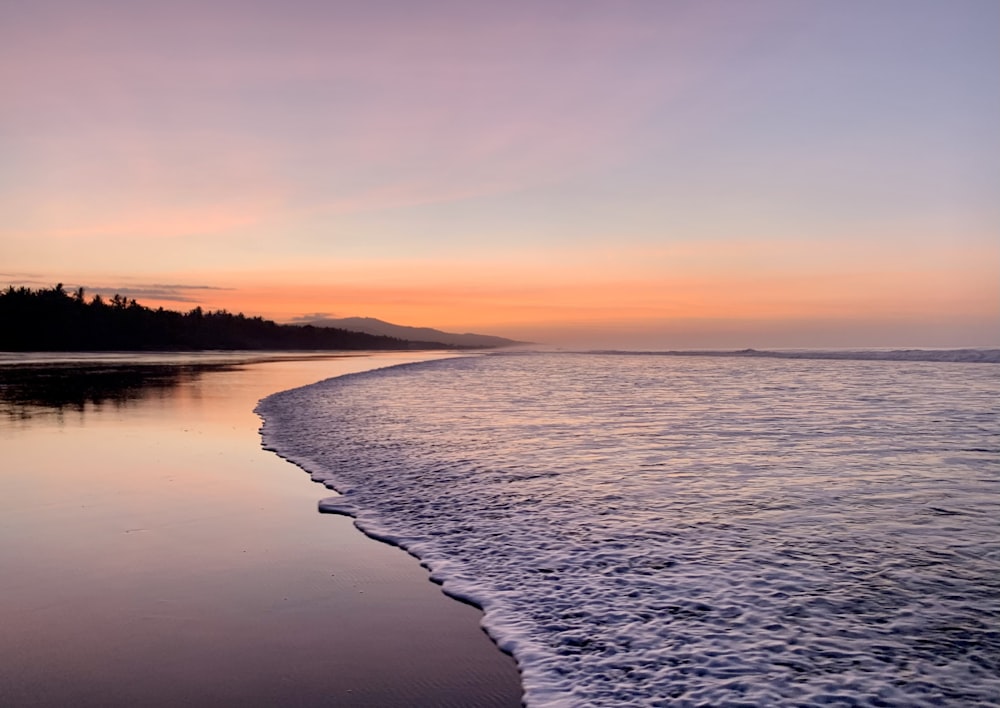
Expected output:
(646, 530)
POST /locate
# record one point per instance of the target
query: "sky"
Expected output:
(638, 173)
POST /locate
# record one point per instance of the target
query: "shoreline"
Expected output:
(470, 465)
(188, 563)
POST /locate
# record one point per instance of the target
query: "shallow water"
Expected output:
(151, 554)
(679, 531)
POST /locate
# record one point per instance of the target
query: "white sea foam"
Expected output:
(685, 531)
(967, 356)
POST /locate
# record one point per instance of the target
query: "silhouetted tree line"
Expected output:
(55, 320)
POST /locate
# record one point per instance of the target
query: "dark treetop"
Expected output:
(54, 320)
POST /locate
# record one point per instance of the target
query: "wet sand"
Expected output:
(153, 554)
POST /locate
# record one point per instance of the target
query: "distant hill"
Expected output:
(370, 325)
(55, 320)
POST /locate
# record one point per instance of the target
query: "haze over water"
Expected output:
(649, 530)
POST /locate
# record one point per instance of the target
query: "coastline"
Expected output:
(703, 472)
(157, 554)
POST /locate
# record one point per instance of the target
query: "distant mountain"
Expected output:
(370, 325)
(55, 320)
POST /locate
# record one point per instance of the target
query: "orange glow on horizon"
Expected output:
(510, 307)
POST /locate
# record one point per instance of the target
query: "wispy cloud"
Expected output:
(156, 292)
(313, 316)
(31, 280)
(471, 163)
(142, 292)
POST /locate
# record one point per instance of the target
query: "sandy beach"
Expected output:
(153, 554)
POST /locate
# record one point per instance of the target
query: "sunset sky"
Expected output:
(640, 173)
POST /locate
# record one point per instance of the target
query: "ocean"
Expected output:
(656, 530)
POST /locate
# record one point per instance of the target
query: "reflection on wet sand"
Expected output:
(154, 554)
(26, 391)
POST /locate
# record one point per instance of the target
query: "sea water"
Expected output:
(687, 531)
